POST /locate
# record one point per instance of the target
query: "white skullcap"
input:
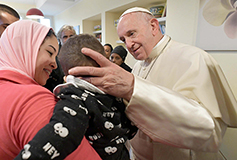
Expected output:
(136, 9)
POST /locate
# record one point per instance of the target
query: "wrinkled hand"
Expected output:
(109, 77)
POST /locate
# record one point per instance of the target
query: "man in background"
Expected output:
(7, 16)
(65, 32)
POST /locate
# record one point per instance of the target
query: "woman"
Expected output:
(118, 56)
(108, 49)
(27, 57)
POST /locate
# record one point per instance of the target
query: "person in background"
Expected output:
(177, 94)
(27, 57)
(65, 32)
(108, 48)
(7, 16)
(118, 56)
(56, 77)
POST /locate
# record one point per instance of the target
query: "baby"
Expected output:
(109, 128)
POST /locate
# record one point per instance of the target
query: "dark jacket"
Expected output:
(126, 67)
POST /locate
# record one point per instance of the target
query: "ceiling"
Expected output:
(48, 7)
(54, 7)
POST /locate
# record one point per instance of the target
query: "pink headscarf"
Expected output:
(19, 46)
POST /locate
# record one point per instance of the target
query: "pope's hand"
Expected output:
(109, 77)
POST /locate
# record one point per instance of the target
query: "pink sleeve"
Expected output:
(36, 113)
(84, 152)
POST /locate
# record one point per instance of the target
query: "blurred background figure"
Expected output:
(108, 48)
(7, 16)
(56, 77)
(65, 32)
(118, 56)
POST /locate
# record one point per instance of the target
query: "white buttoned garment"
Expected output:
(181, 103)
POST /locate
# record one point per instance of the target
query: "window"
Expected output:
(45, 21)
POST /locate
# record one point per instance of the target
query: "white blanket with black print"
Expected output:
(82, 110)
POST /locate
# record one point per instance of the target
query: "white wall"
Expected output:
(86, 9)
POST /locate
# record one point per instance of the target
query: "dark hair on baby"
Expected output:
(70, 54)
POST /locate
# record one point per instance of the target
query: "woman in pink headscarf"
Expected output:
(27, 57)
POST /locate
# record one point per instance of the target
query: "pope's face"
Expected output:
(136, 33)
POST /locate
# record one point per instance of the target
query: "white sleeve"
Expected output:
(170, 118)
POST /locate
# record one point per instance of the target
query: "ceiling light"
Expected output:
(34, 13)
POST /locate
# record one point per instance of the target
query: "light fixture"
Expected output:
(34, 13)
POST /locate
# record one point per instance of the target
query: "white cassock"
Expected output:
(181, 103)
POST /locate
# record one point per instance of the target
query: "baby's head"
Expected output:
(70, 54)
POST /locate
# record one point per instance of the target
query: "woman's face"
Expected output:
(107, 51)
(45, 61)
(115, 58)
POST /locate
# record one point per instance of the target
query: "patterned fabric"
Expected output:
(80, 112)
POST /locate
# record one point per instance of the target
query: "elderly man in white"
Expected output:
(176, 95)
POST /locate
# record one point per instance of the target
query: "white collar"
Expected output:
(78, 83)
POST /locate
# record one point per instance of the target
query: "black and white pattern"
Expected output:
(80, 112)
